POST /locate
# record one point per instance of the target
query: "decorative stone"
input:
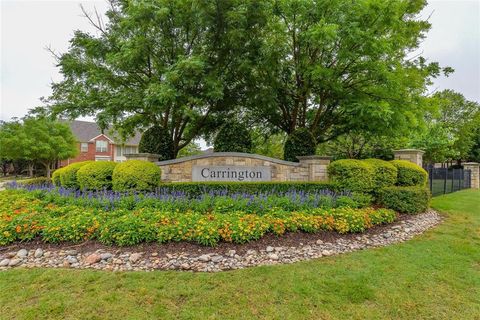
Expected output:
(204, 258)
(38, 253)
(269, 249)
(273, 256)
(208, 260)
(14, 262)
(71, 252)
(22, 253)
(93, 258)
(106, 256)
(4, 262)
(217, 259)
(135, 257)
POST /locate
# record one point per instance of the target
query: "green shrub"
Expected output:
(56, 176)
(384, 173)
(353, 175)
(136, 175)
(233, 137)
(299, 143)
(96, 175)
(410, 174)
(68, 174)
(35, 181)
(414, 199)
(157, 140)
(194, 189)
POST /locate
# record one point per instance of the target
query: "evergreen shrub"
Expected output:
(67, 176)
(301, 142)
(233, 137)
(96, 175)
(157, 140)
(136, 175)
(412, 199)
(353, 175)
(384, 173)
(410, 174)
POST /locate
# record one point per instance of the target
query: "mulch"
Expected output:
(292, 239)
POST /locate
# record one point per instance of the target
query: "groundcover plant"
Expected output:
(24, 216)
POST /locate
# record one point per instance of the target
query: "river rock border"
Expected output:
(214, 262)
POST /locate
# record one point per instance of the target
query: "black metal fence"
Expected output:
(443, 180)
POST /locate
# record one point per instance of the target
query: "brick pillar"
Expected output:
(475, 177)
(317, 167)
(142, 156)
(412, 155)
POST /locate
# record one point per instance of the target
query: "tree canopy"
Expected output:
(37, 140)
(332, 67)
(340, 66)
(176, 64)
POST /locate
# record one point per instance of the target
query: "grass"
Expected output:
(434, 276)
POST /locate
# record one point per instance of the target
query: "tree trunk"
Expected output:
(48, 168)
(30, 170)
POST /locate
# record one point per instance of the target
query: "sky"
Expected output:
(29, 27)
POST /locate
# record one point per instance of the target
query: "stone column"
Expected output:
(316, 166)
(142, 156)
(412, 155)
(475, 176)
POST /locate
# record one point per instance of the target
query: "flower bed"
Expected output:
(24, 216)
(218, 200)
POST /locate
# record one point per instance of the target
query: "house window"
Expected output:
(84, 147)
(101, 145)
(119, 151)
(130, 149)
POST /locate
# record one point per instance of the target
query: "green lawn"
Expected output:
(435, 276)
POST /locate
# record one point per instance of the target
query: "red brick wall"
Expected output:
(91, 153)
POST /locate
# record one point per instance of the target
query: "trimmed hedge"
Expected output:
(96, 175)
(199, 188)
(136, 175)
(413, 199)
(56, 176)
(68, 175)
(410, 174)
(353, 175)
(384, 173)
(301, 142)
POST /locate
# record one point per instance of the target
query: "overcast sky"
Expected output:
(28, 27)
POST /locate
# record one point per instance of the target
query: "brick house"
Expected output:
(93, 144)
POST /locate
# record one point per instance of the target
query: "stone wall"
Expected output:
(310, 168)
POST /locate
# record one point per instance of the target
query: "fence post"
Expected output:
(475, 174)
(445, 176)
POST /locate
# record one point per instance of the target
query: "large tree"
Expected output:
(337, 66)
(450, 125)
(176, 64)
(37, 140)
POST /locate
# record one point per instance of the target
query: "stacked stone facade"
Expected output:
(310, 168)
(412, 155)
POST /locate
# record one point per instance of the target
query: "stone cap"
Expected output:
(471, 163)
(145, 154)
(315, 157)
(410, 151)
(227, 154)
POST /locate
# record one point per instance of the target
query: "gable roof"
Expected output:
(85, 131)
